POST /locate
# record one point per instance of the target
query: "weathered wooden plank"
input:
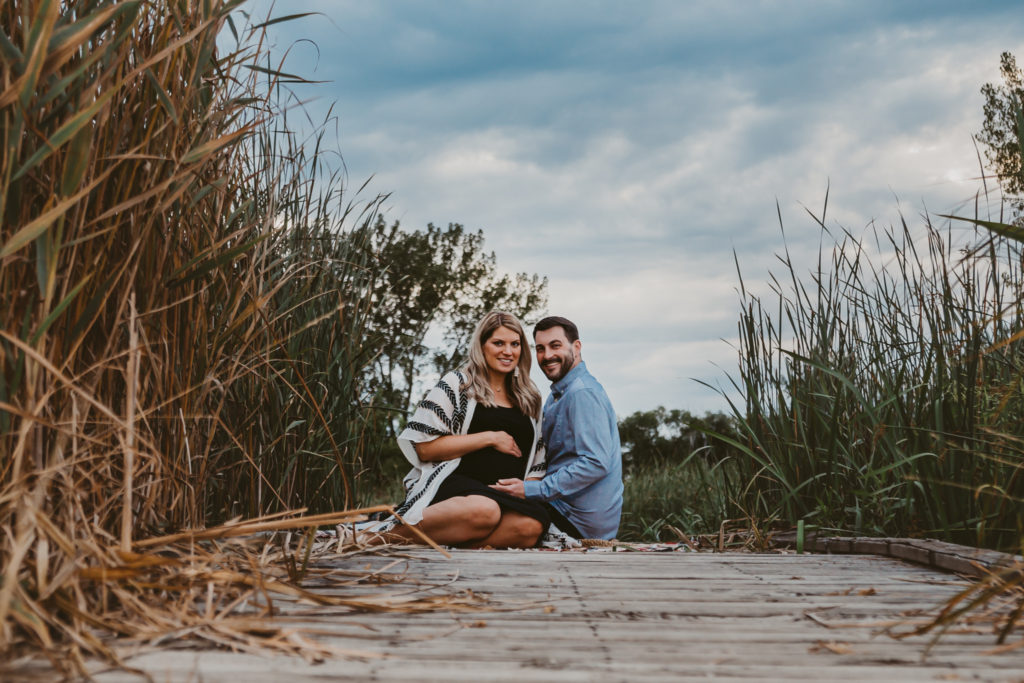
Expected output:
(602, 616)
(223, 666)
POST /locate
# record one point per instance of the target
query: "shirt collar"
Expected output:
(559, 387)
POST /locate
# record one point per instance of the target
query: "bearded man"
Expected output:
(583, 485)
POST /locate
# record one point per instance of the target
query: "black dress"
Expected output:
(479, 469)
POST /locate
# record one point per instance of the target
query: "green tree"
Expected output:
(433, 284)
(1003, 130)
(660, 437)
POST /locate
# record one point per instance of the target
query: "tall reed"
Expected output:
(299, 414)
(882, 390)
(181, 310)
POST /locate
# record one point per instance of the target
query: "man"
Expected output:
(583, 485)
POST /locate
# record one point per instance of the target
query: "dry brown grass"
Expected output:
(144, 210)
(222, 586)
(995, 604)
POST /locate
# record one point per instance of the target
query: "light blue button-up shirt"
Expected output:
(584, 474)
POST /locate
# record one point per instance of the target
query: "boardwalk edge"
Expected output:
(936, 554)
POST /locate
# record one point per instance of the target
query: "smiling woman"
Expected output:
(501, 352)
(476, 426)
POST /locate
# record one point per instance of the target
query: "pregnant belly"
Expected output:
(489, 465)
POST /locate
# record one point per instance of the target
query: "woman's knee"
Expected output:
(525, 531)
(482, 512)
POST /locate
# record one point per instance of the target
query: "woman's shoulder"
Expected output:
(452, 384)
(454, 379)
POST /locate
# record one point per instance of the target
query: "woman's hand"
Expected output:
(504, 443)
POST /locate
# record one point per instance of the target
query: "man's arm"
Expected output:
(591, 445)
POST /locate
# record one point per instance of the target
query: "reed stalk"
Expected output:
(181, 303)
(882, 389)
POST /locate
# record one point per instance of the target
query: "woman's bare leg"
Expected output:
(463, 519)
(515, 530)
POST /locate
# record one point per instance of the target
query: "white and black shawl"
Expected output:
(446, 409)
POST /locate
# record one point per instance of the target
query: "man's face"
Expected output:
(555, 355)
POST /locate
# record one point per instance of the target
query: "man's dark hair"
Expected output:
(571, 333)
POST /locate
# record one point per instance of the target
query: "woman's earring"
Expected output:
(515, 372)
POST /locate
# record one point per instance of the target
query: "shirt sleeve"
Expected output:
(591, 444)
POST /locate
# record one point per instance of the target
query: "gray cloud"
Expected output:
(625, 150)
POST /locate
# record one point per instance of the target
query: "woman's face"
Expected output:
(502, 349)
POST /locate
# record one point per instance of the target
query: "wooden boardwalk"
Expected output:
(626, 616)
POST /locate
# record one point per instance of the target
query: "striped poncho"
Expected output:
(447, 409)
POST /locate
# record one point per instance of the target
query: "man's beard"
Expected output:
(563, 368)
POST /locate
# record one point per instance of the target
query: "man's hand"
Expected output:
(513, 487)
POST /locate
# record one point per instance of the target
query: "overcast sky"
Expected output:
(625, 150)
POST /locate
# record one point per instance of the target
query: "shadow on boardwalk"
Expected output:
(621, 616)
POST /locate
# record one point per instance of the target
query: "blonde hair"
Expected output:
(521, 390)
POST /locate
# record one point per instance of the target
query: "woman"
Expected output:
(476, 426)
